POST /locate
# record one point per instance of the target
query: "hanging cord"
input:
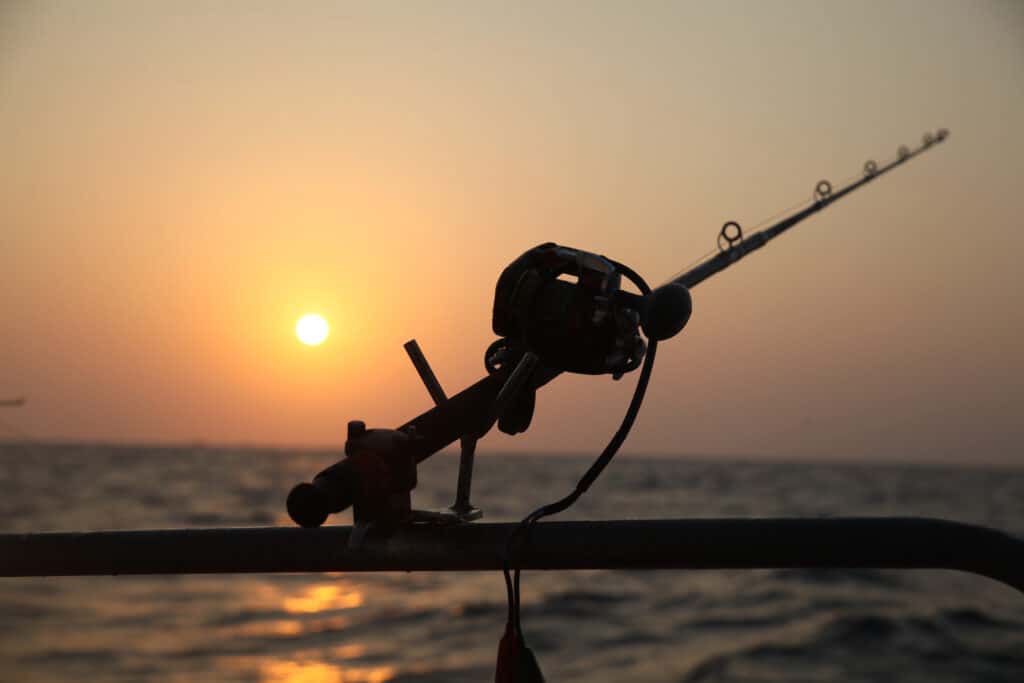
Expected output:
(519, 534)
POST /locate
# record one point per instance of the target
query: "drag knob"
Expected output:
(666, 311)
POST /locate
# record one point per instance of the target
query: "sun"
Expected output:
(312, 329)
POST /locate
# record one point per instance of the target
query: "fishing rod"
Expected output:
(556, 309)
(732, 246)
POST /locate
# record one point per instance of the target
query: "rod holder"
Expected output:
(515, 382)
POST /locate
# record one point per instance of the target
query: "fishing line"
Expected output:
(871, 169)
(519, 534)
(802, 204)
(514, 657)
(692, 263)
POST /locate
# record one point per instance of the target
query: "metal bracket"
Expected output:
(461, 510)
(515, 382)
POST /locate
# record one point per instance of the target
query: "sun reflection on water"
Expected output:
(288, 671)
(279, 627)
(322, 597)
(350, 651)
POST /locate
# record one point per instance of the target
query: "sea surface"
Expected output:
(703, 626)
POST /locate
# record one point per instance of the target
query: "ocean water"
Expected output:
(584, 626)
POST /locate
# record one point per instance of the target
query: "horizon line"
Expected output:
(739, 458)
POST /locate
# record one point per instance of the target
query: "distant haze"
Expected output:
(181, 181)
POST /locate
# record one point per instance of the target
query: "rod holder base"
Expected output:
(446, 517)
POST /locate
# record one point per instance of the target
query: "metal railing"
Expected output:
(830, 543)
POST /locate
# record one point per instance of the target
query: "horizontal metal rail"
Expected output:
(883, 543)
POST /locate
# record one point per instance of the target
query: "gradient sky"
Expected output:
(180, 181)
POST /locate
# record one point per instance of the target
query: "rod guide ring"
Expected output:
(729, 236)
(823, 189)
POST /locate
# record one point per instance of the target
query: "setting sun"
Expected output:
(312, 329)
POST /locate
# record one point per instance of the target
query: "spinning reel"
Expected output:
(567, 308)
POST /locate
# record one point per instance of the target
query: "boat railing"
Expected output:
(705, 544)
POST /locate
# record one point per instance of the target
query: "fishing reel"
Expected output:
(567, 307)
(557, 310)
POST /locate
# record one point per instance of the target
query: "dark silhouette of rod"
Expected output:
(12, 402)
(733, 245)
(470, 410)
(883, 543)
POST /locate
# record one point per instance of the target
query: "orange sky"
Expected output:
(181, 181)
